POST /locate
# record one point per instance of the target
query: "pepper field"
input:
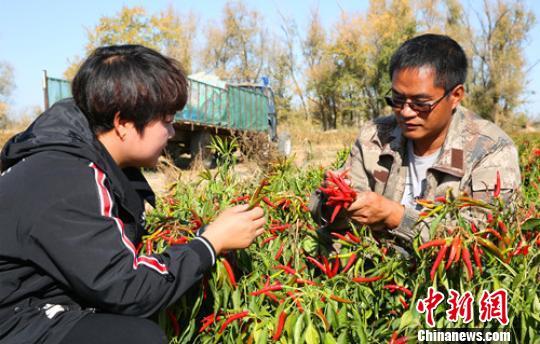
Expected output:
(294, 286)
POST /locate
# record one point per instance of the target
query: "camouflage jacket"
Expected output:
(473, 151)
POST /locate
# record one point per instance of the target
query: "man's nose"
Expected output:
(407, 112)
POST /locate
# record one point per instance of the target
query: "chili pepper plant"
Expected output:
(290, 287)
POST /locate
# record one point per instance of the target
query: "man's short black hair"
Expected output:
(136, 81)
(439, 52)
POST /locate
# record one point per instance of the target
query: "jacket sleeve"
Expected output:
(480, 185)
(80, 243)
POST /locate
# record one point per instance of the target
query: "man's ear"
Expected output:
(121, 126)
(457, 95)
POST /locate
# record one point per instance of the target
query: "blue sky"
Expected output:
(37, 35)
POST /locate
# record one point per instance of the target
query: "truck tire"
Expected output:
(198, 147)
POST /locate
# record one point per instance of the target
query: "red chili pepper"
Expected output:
(393, 338)
(473, 228)
(326, 264)
(317, 264)
(489, 218)
(320, 313)
(497, 190)
(340, 195)
(440, 199)
(403, 302)
(272, 296)
(335, 267)
(494, 232)
(280, 251)
(174, 322)
(340, 236)
(267, 240)
(394, 287)
(197, 223)
(280, 324)
(296, 301)
(438, 261)
(350, 263)
(230, 272)
(207, 321)
(279, 228)
(305, 281)
(339, 299)
(366, 279)
(232, 318)
(239, 199)
(354, 238)
(453, 250)
(138, 249)
(437, 242)
(268, 202)
(502, 227)
(467, 260)
(287, 269)
(335, 212)
(195, 216)
(149, 247)
(275, 287)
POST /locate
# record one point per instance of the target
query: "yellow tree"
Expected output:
(388, 24)
(7, 85)
(235, 48)
(320, 73)
(498, 79)
(167, 32)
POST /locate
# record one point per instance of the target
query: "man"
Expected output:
(429, 145)
(72, 209)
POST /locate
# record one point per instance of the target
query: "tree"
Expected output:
(236, 48)
(320, 73)
(498, 79)
(348, 72)
(7, 85)
(168, 32)
(388, 25)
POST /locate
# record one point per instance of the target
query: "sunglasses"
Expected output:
(421, 107)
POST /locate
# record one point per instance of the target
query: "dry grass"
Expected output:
(312, 145)
(5, 135)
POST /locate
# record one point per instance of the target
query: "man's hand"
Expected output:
(371, 208)
(235, 228)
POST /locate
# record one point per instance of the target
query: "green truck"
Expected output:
(214, 108)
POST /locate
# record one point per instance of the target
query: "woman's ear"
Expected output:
(121, 126)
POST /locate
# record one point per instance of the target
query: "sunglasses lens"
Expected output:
(420, 107)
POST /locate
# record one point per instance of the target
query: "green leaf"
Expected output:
(263, 334)
(406, 320)
(329, 339)
(531, 224)
(343, 338)
(298, 329)
(312, 335)
(289, 324)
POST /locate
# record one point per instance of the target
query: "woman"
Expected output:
(72, 209)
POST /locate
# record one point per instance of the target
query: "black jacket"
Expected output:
(70, 219)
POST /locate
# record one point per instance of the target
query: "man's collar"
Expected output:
(450, 161)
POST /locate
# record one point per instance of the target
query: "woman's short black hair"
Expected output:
(439, 52)
(136, 81)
